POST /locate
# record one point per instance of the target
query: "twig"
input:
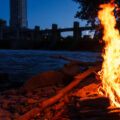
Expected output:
(77, 62)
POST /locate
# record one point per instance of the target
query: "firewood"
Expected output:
(92, 113)
(101, 114)
(96, 107)
(95, 113)
(94, 103)
(84, 64)
(36, 111)
(113, 109)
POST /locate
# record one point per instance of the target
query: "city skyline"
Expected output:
(44, 13)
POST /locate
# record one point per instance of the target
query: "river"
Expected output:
(22, 64)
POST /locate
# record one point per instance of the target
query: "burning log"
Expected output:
(99, 114)
(84, 64)
(94, 103)
(36, 111)
(94, 108)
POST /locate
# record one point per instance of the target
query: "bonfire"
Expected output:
(111, 66)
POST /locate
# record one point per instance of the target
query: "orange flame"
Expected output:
(111, 64)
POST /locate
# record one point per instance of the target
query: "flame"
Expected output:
(111, 55)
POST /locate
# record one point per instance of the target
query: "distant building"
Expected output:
(18, 14)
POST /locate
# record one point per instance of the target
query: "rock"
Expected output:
(29, 94)
(16, 115)
(48, 91)
(5, 118)
(5, 104)
(31, 101)
(10, 92)
(71, 69)
(4, 114)
(43, 80)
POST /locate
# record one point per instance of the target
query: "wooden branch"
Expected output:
(36, 111)
(98, 102)
(63, 58)
(100, 114)
(78, 62)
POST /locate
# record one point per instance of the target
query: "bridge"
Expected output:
(55, 32)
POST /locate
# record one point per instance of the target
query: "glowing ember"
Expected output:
(111, 64)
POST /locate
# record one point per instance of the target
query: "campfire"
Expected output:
(111, 66)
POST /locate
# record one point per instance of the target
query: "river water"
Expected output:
(22, 64)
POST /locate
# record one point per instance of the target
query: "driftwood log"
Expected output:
(84, 64)
(36, 111)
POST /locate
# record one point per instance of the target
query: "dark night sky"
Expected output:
(46, 12)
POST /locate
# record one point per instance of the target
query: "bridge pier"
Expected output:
(55, 35)
(76, 32)
(54, 32)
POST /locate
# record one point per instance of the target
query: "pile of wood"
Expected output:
(78, 100)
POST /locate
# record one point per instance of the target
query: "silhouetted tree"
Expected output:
(88, 9)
